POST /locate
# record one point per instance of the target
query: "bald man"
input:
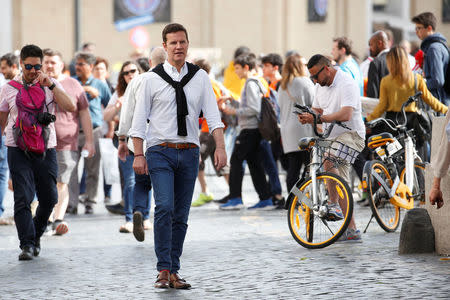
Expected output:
(379, 48)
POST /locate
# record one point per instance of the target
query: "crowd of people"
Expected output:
(167, 117)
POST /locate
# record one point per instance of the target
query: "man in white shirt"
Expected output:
(172, 138)
(337, 99)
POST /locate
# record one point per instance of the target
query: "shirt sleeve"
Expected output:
(441, 162)
(82, 101)
(142, 110)
(373, 81)
(435, 68)
(209, 106)
(350, 94)
(105, 94)
(113, 100)
(4, 105)
(128, 106)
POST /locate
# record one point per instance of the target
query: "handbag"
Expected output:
(423, 124)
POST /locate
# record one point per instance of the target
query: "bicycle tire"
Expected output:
(386, 214)
(419, 182)
(306, 226)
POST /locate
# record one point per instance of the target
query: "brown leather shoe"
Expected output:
(162, 281)
(177, 282)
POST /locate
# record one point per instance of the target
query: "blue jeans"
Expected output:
(142, 194)
(270, 167)
(3, 173)
(30, 176)
(173, 173)
(128, 185)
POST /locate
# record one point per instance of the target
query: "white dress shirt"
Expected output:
(157, 104)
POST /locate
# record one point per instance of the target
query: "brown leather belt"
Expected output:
(179, 145)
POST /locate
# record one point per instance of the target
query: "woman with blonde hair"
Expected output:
(295, 88)
(397, 87)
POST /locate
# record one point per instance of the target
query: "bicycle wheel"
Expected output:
(386, 214)
(309, 224)
(419, 181)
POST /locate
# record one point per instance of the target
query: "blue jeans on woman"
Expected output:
(136, 190)
(173, 173)
(270, 167)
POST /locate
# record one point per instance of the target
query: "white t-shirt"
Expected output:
(344, 91)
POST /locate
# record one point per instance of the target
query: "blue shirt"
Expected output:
(95, 104)
(351, 67)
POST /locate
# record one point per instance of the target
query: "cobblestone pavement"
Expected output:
(227, 255)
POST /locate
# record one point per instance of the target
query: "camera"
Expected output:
(45, 118)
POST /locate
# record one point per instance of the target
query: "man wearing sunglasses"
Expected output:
(32, 173)
(337, 98)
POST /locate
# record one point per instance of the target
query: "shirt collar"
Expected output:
(385, 50)
(88, 82)
(173, 72)
(335, 79)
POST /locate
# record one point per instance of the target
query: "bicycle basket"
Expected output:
(337, 152)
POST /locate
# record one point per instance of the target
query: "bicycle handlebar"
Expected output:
(389, 122)
(324, 135)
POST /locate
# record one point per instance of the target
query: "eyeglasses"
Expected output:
(129, 72)
(316, 76)
(80, 64)
(37, 67)
(419, 28)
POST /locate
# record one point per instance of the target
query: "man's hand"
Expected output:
(305, 118)
(140, 165)
(436, 197)
(123, 150)
(220, 158)
(44, 80)
(90, 148)
(93, 92)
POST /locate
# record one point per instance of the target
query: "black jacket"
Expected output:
(377, 70)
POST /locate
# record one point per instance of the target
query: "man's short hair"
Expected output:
(320, 60)
(87, 57)
(171, 28)
(31, 51)
(158, 56)
(273, 59)
(426, 19)
(241, 50)
(344, 42)
(203, 64)
(248, 59)
(51, 52)
(10, 59)
(99, 60)
(143, 63)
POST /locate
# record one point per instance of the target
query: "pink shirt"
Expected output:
(67, 122)
(8, 104)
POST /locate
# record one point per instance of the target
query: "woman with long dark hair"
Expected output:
(128, 71)
(295, 88)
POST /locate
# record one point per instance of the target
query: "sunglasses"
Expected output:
(36, 67)
(316, 76)
(129, 72)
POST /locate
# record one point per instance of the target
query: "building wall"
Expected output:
(263, 25)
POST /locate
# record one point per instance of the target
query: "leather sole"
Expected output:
(138, 227)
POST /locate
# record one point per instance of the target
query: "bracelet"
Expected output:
(52, 86)
(137, 155)
(318, 118)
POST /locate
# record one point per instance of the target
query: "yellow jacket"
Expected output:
(232, 82)
(392, 96)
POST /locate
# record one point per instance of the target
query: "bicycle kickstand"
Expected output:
(368, 224)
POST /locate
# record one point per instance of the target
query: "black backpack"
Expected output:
(268, 119)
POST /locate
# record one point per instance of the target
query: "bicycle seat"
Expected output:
(306, 142)
(378, 140)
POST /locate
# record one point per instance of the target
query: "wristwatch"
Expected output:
(52, 86)
(318, 118)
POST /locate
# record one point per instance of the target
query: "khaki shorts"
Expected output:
(67, 162)
(353, 140)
